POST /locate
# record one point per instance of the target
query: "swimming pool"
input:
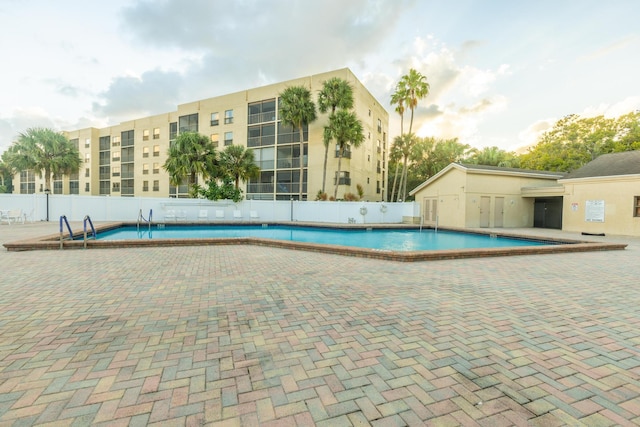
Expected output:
(378, 238)
(408, 253)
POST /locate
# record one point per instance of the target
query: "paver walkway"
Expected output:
(243, 335)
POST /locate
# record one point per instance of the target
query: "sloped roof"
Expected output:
(470, 166)
(625, 163)
(495, 170)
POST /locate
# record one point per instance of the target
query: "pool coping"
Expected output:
(51, 242)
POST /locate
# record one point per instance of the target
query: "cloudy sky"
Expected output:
(500, 71)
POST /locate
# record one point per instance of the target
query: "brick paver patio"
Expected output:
(244, 335)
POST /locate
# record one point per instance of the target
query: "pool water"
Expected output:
(381, 239)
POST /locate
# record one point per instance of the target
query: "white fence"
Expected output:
(38, 206)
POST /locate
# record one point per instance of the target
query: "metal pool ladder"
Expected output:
(63, 220)
(93, 230)
(141, 218)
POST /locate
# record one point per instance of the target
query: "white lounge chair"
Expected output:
(4, 217)
(237, 214)
(219, 214)
(254, 215)
(15, 215)
(29, 216)
(203, 215)
(181, 215)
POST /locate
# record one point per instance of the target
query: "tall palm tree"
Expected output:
(414, 86)
(46, 152)
(398, 98)
(191, 154)
(395, 155)
(346, 129)
(238, 163)
(335, 93)
(297, 110)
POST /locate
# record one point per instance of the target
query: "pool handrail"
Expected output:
(141, 217)
(87, 218)
(63, 219)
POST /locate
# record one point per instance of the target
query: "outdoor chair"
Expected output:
(237, 214)
(219, 214)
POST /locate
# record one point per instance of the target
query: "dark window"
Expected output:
(263, 111)
(288, 135)
(260, 135)
(188, 123)
(127, 138)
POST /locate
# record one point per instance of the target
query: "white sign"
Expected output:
(594, 211)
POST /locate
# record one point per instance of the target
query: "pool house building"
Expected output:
(126, 159)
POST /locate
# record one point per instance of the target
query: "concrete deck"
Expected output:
(247, 335)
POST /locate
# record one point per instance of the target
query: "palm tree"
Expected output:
(191, 154)
(297, 110)
(336, 93)
(238, 163)
(394, 157)
(46, 152)
(414, 87)
(346, 129)
(398, 99)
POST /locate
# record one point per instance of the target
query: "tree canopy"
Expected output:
(44, 151)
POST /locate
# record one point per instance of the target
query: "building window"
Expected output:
(346, 151)
(156, 133)
(87, 142)
(115, 171)
(145, 151)
(228, 138)
(215, 119)
(188, 123)
(344, 178)
(156, 151)
(145, 185)
(636, 206)
(156, 185)
(127, 138)
(115, 187)
(87, 157)
(228, 117)
(156, 168)
(262, 111)
(260, 135)
(115, 156)
(215, 139)
(145, 169)
(87, 172)
(86, 187)
(115, 141)
(145, 135)
(379, 125)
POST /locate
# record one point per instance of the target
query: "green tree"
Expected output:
(574, 141)
(44, 151)
(492, 156)
(411, 88)
(191, 154)
(6, 173)
(297, 110)
(346, 129)
(335, 93)
(238, 163)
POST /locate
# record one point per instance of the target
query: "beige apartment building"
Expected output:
(127, 159)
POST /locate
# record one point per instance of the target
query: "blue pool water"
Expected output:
(382, 239)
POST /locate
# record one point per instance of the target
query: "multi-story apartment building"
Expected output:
(127, 159)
